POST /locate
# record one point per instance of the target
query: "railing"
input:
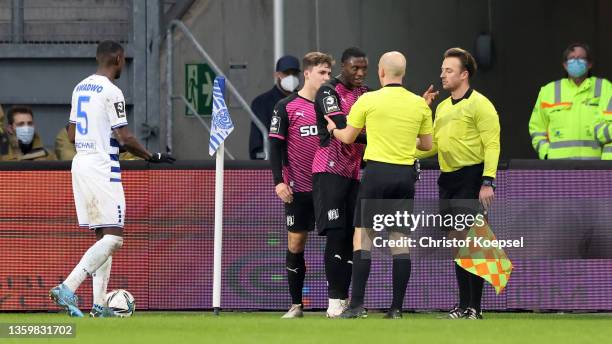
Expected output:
(170, 89)
(70, 22)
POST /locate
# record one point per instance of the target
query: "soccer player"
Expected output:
(336, 176)
(394, 118)
(466, 140)
(293, 142)
(98, 125)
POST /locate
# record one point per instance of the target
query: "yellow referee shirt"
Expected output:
(393, 117)
(465, 134)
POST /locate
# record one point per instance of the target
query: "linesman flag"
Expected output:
(490, 263)
(221, 124)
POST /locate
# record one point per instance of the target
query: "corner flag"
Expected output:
(220, 127)
(221, 124)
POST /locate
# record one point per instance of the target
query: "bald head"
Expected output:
(393, 64)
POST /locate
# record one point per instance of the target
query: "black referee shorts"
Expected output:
(459, 191)
(334, 201)
(300, 213)
(461, 184)
(383, 181)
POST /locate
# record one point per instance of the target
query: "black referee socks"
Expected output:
(463, 281)
(402, 266)
(476, 286)
(362, 260)
(296, 271)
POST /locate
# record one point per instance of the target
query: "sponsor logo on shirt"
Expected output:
(308, 130)
(85, 145)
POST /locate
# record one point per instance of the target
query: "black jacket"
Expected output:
(262, 107)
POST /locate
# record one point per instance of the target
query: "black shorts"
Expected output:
(383, 181)
(300, 213)
(334, 201)
(459, 190)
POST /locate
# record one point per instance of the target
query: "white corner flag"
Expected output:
(221, 124)
(220, 127)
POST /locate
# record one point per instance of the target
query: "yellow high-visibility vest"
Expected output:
(563, 121)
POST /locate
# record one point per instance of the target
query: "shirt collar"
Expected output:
(467, 94)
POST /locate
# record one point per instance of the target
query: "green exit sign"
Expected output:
(199, 79)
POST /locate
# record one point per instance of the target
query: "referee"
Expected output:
(466, 139)
(395, 118)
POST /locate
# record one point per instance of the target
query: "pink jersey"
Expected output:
(333, 156)
(294, 121)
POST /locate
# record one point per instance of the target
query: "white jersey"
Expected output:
(98, 107)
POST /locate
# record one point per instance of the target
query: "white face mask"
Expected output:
(25, 134)
(290, 83)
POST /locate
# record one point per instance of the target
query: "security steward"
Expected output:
(466, 140)
(395, 118)
(563, 122)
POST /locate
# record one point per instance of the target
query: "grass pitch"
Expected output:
(235, 327)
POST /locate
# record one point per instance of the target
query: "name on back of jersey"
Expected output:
(89, 88)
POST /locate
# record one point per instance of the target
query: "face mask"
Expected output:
(290, 83)
(576, 67)
(25, 134)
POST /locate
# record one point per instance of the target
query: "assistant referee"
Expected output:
(394, 118)
(466, 139)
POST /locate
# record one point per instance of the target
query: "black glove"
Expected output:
(161, 157)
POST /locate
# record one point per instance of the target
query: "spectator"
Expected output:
(1, 121)
(64, 149)
(287, 82)
(24, 143)
(563, 121)
(3, 137)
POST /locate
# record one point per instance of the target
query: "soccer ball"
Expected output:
(121, 302)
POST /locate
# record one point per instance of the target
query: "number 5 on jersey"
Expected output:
(82, 121)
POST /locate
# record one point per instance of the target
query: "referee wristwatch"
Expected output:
(488, 181)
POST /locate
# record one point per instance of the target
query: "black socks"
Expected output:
(470, 288)
(362, 260)
(401, 275)
(338, 258)
(296, 271)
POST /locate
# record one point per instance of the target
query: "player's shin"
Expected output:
(362, 260)
(91, 261)
(100, 282)
(401, 275)
(335, 263)
(296, 271)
